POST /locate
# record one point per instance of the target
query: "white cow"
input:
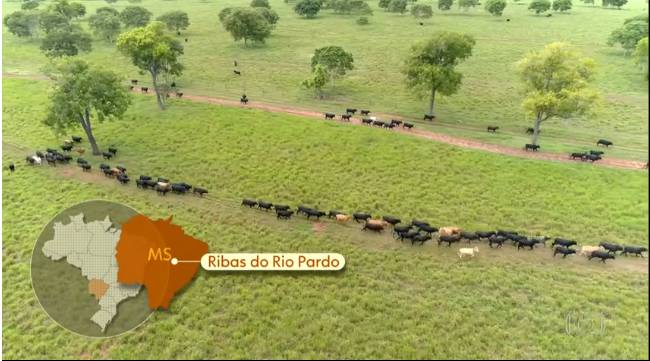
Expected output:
(471, 252)
(587, 250)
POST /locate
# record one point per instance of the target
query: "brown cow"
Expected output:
(449, 231)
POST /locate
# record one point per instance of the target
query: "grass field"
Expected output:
(393, 300)
(490, 93)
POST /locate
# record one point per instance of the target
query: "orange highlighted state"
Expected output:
(97, 288)
(144, 254)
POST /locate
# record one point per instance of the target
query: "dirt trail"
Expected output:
(438, 137)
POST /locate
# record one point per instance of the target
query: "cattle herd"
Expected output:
(419, 232)
(372, 121)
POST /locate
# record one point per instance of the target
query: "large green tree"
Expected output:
(68, 40)
(22, 23)
(155, 52)
(176, 20)
(562, 5)
(307, 8)
(105, 24)
(557, 84)
(246, 23)
(30, 4)
(445, 4)
(539, 6)
(135, 16)
(615, 3)
(334, 60)
(495, 7)
(83, 94)
(317, 81)
(627, 36)
(397, 6)
(430, 67)
(641, 55)
(421, 11)
(69, 10)
(49, 21)
(260, 4)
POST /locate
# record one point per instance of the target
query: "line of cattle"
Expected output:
(161, 185)
(349, 112)
(418, 231)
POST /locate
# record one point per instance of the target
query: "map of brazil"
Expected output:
(100, 268)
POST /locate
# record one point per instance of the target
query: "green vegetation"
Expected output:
(260, 4)
(421, 11)
(628, 35)
(363, 20)
(106, 23)
(21, 23)
(249, 24)
(562, 5)
(641, 55)
(430, 67)
(495, 7)
(490, 94)
(615, 3)
(445, 4)
(175, 20)
(135, 16)
(334, 60)
(466, 4)
(393, 300)
(308, 8)
(68, 40)
(539, 6)
(397, 6)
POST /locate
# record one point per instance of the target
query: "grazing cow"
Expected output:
(281, 207)
(107, 155)
(112, 150)
(345, 117)
(101, 166)
(120, 168)
(531, 130)
(163, 188)
(636, 250)
(604, 142)
(591, 157)
(449, 239)
(144, 89)
(377, 227)
(342, 218)
(134, 81)
(563, 242)
(402, 236)
(391, 220)
(378, 123)
(123, 178)
(264, 205)
(575, 156)
(492, 129)
(76, 139)
(315, 213)
(427, 229)
(365, 112)
(596, 152)
(66, 147)
(610, 247)
(408, 125)
(302, 209)
(366, 121)
(449, 231)
(469, 236)
(602, 255)
(467, 252)
(379, 222)
(85, 167)
(396, 122)
(249, 203)
(350, 110)
(236, 72)
(179, 94)
(525, 242)
(358, 217)
(486, 234)
(498, 240)
(284, 214)
(333, 213)
(199, 191)
(429, 117)
(329, 115)
(564, 251)
(588, 250)
(12, 167)
(420, 238)
(533, 147)
(397, 230)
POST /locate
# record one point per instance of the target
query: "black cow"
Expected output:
(391, 220)
(50, 159)
(333, 213)
(469, 236)
(486, 234)
(365, 112)
(108, 172)
(596, 152)
(83, 161)
(264, 205)
(506, 234)
(492, 129)
(144, 89)
(199, 191)
(249, 203)
(498, 240)
(389, 125)
(577, 155)
(243, 99)
(366, 121)
(420, 238)
(604, 142)
(591, 157)
(302, 209)
(281, 207)
(163, 180)
(396, 122)
(634, 250)
(418, 223)
(134, 81)
(533, 147)
(449, 239)
(101, 166)
(329, 115)
(350, 110)
(66, 147)
(236, 72)
(531, 130)
(378, 123)
(564, 251)
(408, 125)
(315, 213)
(602, 255)
(123, 178)
(76, 139)
(402, 236)
(284, 214)
(179, 188)
(611, 247)
(525, 242)
(120, 168)
(345, 117)
(540, 240)
(107, 155)
(179, 94)
(427, 229)
(563, 242)
(144, 177)
(428, 117)
(358, 217)
(85, 167)
(400, 229)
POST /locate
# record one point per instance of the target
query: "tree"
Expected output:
(30, 4)
(592, 2)
(616, 3)
(270, 15)
(445, 4)
(247, 24)
(421, 11)
(562, 5)
(397, 6)
(317, 81)
(155, 52)
(107, 10)
(350, 7)
(176, 20)
(105, 24)
(334, 60)
(135, 16)
(633, 30)
(384, 4)
(68, 40)
(67, 9)
(82, 94)
(307, 8)
(21, 23)
(430, 67)
(260, 4)
(539, 6)
(466, 4)
(641, 55)
(495, 7)
(556, 82)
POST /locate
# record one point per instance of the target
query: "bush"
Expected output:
(466, 4)
(562, 5)
(363, 21)
(397, 6)
(445, 4)
(495, 7)
(539, 6)
(260, 4)
(421, 11)
(615, 3)
(384, 4)
(307, 8)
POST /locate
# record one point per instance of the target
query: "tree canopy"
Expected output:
(466, 4)
(105, 24)
(557, 84)
(641, 55)
(307, 8)
(430, 66)
(260, 4)
(615, 3)
(21, 23)
(539, 6)
(68, 40)
(397, 6)
(562, 5)
(176, 20)
(495, 7)
(445, 4)
(249, 24)
(317, 81)
(82, 94)
(421, 11)
(334, 60)
(153, 51)
(67, 9)
(627, 36)
(135, 16)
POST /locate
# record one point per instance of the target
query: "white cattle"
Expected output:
(471, 252)
(588, 250)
